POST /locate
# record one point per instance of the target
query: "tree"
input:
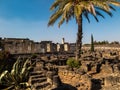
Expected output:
(115, 42)
(18, 77)
(92, 44)
(66, 9)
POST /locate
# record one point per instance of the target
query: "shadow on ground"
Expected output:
(65, 87)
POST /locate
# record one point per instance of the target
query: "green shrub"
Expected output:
(71, 62)
(33, 56)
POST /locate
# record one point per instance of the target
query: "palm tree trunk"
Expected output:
(79, 38)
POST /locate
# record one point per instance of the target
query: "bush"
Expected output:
(71, 62)
(33, 56)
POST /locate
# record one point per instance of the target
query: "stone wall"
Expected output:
(108, 78)
(81, 82)
(112, 83)
(24, 45)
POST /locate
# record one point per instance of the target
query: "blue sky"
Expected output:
(29, 18)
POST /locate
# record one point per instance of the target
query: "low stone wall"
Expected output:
(81, 82)
(106, 79)
(112, 83)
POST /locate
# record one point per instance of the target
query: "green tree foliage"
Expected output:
(64, 10)
(101, 42)
(92, 44)
(33, 56)
(71, 62)
(18, 77)
(115, 42)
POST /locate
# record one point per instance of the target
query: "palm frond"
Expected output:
(98, 13)
(86, 16)
(75, 8)
(96, 18)
(55, 4)
(111, 7)
(93, 10)
(107, 12)
(54, 17)
(115, 3)
(61, 22)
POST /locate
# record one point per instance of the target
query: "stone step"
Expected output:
(37, 76)
(38, 80)
(36, 73)
(43, 86)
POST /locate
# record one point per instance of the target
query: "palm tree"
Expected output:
(66, 9)
(18, 77)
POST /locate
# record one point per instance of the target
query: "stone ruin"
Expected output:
(43, 77)
(99, 71)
